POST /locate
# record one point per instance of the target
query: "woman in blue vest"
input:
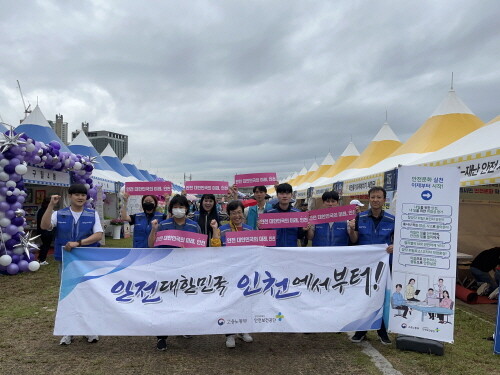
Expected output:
(178, 209)
(75, 226)
(142, 221)
(235, 211)
(205, 215)
(373, 226)
(329, 234)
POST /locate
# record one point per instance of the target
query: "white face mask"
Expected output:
(179, 213)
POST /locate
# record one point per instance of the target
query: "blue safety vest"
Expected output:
(67, 230)
(336, 235)
(142, 227)
(169, 224)
(285, 237)
(227, 228)
(369, 235)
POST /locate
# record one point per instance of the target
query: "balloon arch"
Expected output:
(16, 150)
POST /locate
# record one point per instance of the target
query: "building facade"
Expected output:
(60, 128)
(101, 138)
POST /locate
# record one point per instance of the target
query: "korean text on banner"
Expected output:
(156, 292)
(251, 237)
(283, 220)
(145, 188)
(206, 187)
(425, 252)
(180, 238)
(255, 179)
(332, 214)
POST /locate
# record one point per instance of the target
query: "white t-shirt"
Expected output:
(76, 216)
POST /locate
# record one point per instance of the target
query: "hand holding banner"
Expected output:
(206, 187)
(255, 179)
(145, 188)
(180, 238)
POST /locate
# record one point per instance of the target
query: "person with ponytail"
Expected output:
(206, 214)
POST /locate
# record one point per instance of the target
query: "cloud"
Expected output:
(218, 88)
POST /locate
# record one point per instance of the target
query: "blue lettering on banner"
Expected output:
(270, 283)
(127, 291)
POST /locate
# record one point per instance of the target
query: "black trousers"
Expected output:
(46, 238)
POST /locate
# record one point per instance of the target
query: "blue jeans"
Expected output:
(484, 277)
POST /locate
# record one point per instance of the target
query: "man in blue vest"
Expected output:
(285, 237)
(373, 226)
(76, 226)
(329, 234)
(252, 213)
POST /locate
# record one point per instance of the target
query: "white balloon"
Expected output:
(6, 236)
(30, 147)
(18, 250)
(10, 184)
(81, 172)
(2, 214)
(4, 162)
(16, 191)
(9, 193)
(21, 169)
(87, 186)
(4, 176)
(77, 166)
(5, 260)
(4, 222)
(2, 199)
(34, 266)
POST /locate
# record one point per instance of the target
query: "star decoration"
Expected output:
(27, 244)
(9, 140)
(92, 160)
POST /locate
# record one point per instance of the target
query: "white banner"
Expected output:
(425, 252)
(42, 176)
(221, 290)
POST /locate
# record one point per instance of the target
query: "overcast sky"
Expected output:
(214, 88)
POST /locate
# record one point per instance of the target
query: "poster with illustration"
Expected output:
(425, 252)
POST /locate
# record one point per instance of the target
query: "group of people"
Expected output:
(80, 226)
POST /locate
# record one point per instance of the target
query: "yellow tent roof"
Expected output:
(381, 146)
(349, 155)
(299, 181)
(325, 165)
(302, 172)
(451, 120)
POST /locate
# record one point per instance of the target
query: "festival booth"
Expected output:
(103, 175)
(31, 166)
(478, 156)
(39, 181)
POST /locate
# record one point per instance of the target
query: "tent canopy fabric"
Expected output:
(328, 161)
(110, 157)
(37, 127)
(349, 155)
(127, 163)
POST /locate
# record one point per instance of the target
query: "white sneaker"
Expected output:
(245, 337)
(66, 340)
(44, 263)
(230, 342)
(482, 288)
(92, 338)
(494, 294)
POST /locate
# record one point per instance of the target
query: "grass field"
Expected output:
(27, 311)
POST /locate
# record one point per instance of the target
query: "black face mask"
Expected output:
(148, 206)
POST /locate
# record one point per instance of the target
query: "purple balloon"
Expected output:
(9, 214)
(9, 169)
(9, 244)
(55, 145)
(16, 237)
(11, 229)
(11, 199)
(89, 168)
(12, 268)
(21, 199)
(15, 258)
(37, 159)
(16, 206)
(14, 162)
(23, 265)
(17, 221)
(32, 257)
(4, 206)
(15, 177)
